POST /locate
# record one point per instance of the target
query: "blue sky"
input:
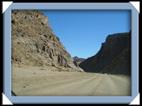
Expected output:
(83, 32)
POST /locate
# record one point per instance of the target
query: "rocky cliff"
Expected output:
(34, 43)
(113, 57)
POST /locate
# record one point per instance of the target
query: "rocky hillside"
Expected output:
(77, 60)
(113, 57)
(34, 43)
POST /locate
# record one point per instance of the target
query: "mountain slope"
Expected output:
(113, 57)
(34, 43)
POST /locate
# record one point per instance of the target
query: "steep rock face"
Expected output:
(113, 57)
(34, 43)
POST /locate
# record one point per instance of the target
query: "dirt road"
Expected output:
(38, 81)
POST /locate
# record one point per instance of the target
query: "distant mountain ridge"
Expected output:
(113, 57)
(78, 60)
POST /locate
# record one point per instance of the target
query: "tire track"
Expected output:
(122, 84)
(55, 84)
(60, 88)
(72, 84)
(107, 87)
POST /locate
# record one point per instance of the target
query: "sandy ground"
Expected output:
(37, 81)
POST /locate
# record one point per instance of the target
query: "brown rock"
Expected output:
(33, 42)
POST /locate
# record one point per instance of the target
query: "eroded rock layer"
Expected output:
(34, 43)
